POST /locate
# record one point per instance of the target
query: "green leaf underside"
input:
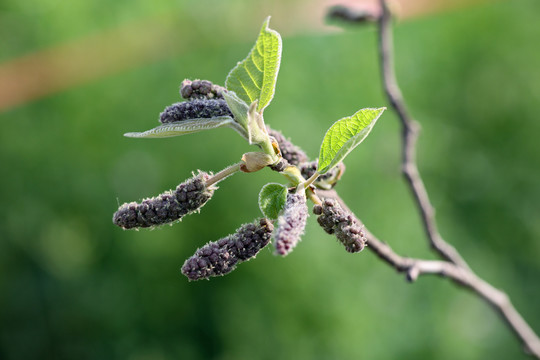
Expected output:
(344, 135)
(272, 199)
(239, 109)
(183, 127)
(254, 78)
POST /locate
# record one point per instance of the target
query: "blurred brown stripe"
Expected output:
(54, 69)
(51, 70)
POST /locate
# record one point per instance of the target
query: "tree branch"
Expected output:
(414, 268)
(410, 129)
(453, 266)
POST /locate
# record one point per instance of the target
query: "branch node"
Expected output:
(412, 274)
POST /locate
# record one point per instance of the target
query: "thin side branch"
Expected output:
(453, 266)
(410, 130)
(223, 174)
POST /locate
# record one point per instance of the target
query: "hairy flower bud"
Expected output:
(195, 109)
(201, 89)
(334, 220)
(170, 206)
(291, 224)
(290, 152)
(221, 257)
(325, 181)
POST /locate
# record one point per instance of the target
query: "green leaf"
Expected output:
(344, 135)
(272, 199)
(254, 78)
(238, 107)
(184, 127)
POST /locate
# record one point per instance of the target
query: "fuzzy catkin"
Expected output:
(196, 109)
(290, 152)
(201, 89)
(221, 257)
(291, 224)
(170, 206)
(334, 220)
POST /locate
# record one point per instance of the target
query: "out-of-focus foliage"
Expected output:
(72, 285)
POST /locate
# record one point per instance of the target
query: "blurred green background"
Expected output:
(72, 285)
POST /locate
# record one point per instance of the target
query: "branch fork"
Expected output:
(452, 265)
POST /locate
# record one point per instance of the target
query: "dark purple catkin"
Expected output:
(221, 257)
(291, 224)
(290, 152)
(196, 109)
(325, 181)
(170, 206)
(201, 89)
(334, 220)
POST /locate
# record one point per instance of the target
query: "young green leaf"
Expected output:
(185, 127)
(250, 123)
(272, 199)
(254, 78)
(239, 108)
(344, 135)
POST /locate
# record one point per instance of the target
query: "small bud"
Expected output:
(195, 109)
(206, 87)
(218, 91)
(222, 256)
(290, 152)
(170, 206)
(334, 220)
(200, 89)
(185, 89)
(255, 161)
(291, 224)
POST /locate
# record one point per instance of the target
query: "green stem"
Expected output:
(311, 179)
(228, 171)
(293, 174)
(267, 148)
(313, 197)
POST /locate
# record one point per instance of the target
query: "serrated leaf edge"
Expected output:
(278, 62)
(371, 125)
(265, 27)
